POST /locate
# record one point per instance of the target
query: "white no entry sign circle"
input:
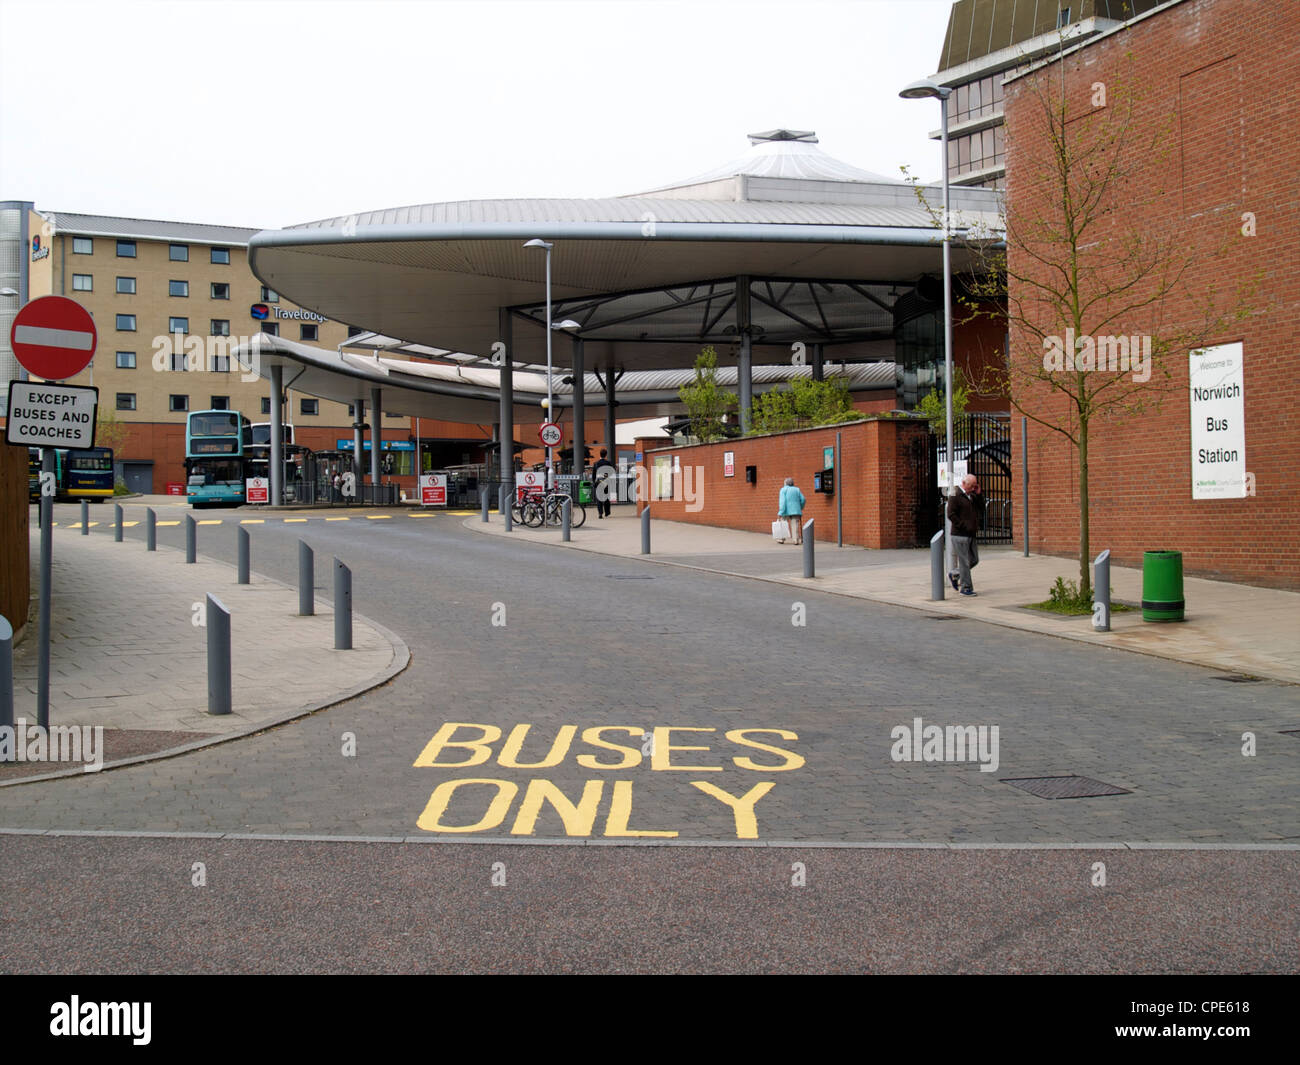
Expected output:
(53, 337)
(551, 434)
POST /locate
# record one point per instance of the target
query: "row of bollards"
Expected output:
(217, 615)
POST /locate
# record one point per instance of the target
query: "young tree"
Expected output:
(1084, 273)
(706, 401)
(109, 432)
(933, 407)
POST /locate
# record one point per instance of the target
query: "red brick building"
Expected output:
(1215, 88)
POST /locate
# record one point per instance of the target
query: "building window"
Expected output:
(178, 288)
(83, 283)
(220, 290)
(1063, 18)
(220, 327)
(266, 404)
(83, 246)
(352, 411)
(126, 286)
(178, 362)
(178, 403)
(178, 253)
(219, 403)
(221, 256)
(269, 296)
(310, 406)
(219, 363)
(306, 332)
(126, 323)
(354, 331)
(126, 249)
(271, 329)
(126, 360)
(178, 325)
(126, 401)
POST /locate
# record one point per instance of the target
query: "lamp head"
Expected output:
(925, 89)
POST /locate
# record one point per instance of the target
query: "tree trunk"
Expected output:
(1085, 580)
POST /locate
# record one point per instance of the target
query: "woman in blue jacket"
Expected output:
(790, 507)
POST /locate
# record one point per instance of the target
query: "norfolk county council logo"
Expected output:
(260, 311)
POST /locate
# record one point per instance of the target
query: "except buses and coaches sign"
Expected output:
(51, 415)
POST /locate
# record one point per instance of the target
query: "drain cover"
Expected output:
(1066, 787)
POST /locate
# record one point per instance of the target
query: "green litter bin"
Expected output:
(585, 492)
(1162, 586)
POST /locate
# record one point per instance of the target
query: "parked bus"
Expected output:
(79, 473)
(262, 433)
(215, 443)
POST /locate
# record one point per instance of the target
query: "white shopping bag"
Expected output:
(780, 530)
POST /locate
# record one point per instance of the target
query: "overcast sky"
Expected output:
(273, 112)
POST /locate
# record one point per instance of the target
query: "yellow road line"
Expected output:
(254, 521)
(210, 521)
(338, 519)
(129, 524)
(378, 517)
(419, 515)
(288, 521)
(167, 523)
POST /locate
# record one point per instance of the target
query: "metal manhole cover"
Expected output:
(1071, 787)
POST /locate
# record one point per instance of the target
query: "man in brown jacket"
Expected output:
(966, 513)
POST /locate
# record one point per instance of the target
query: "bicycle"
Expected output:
(549, 510)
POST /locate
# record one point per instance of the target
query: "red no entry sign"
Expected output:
(53, 337)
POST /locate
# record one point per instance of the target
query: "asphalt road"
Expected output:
(666, 706)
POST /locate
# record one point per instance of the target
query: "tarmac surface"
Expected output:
(669, 737)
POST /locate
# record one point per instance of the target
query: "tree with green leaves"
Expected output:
(933, 407)
(706, 401)
(805, 403)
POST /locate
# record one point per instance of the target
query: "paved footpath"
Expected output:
(1230, 627)
(129, 647)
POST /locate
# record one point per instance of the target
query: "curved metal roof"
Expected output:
(438, 273)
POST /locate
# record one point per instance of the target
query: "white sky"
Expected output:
(273, 112)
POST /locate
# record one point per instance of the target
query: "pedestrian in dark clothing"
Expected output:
(966, 514)
(603, 474)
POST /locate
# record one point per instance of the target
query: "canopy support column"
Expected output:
(358, 445)
(506, 432)
(745, 370)
(579, 406)
(376, 438)
(819, 367)
(277, 433)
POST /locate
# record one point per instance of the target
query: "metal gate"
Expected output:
(983, 442)
(925, 489)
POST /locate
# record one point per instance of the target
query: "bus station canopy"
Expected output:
(827, 250)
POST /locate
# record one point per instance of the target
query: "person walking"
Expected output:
(603, 475)
(790, 506)
(966, 513)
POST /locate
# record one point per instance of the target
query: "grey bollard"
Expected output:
(342, 607)
(937, 576)
(85, 518)
(218, 621)
(483, 502)
(505, 510)
(150, 530)
(191, 537)
(809, 545)
(306, 581)
(645, 531)
(6, 672)
(117, 522)
(1101, 592)
(242, 537)
(566, 520)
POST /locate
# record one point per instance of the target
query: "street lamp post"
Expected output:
(930, 90)
(539, 243)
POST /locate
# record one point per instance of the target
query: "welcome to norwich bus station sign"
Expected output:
(44, 415)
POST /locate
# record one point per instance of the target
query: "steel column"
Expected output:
(276, 497)
(376, 440)
(579, 405)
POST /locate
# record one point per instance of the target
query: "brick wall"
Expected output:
(1217, 88)
(875, 477)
